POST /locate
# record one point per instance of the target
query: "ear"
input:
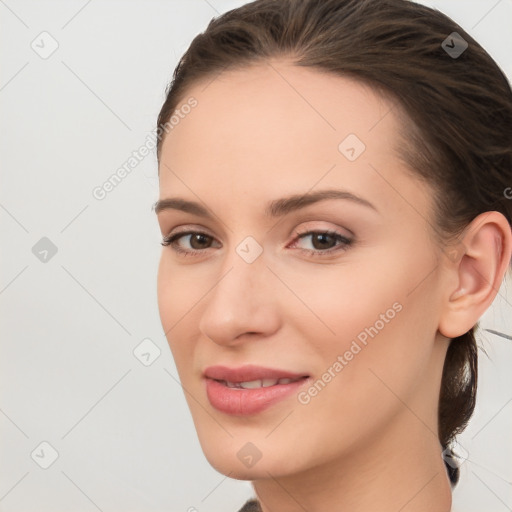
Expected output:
(475, 268)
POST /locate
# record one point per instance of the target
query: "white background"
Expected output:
(122, 430)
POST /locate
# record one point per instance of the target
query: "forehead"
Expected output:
(275, 126)
(265, 98)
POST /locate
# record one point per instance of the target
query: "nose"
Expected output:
(242, 302)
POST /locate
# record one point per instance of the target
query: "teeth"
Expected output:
(261, 383)
(251, 384)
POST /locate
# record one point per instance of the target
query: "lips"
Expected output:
(248, 373)
(249, 389)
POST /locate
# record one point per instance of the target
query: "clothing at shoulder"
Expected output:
(251, 506)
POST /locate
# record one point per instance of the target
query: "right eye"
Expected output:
(197, 237)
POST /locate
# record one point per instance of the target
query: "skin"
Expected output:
(370, 436)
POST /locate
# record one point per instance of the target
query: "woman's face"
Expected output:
(350, 316)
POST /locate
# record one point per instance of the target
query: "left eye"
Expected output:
(320, 239)
(323, 241)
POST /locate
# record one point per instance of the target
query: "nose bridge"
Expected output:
(240, 300)
(243, 269)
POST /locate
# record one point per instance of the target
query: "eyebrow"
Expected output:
(275, 208)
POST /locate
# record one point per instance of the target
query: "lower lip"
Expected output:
(241, 402)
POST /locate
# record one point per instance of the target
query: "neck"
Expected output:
(394, 472)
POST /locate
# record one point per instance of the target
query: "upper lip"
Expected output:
(248, 373)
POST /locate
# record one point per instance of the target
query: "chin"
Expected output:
(248, 463)
(234, 469)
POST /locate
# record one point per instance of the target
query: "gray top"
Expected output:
(251, 506)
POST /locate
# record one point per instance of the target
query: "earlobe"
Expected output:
(477, 272)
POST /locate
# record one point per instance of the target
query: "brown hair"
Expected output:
(457, 129)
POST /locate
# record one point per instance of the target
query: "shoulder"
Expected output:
(251, 506)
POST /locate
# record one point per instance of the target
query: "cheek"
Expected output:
(177, 297)
(338, 303)
(179, 290)
(367, 322)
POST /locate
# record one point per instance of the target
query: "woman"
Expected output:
(335, 204)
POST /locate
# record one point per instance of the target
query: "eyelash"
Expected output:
(345, 242)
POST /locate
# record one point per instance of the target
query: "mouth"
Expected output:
(249, 389)
(258, 383)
